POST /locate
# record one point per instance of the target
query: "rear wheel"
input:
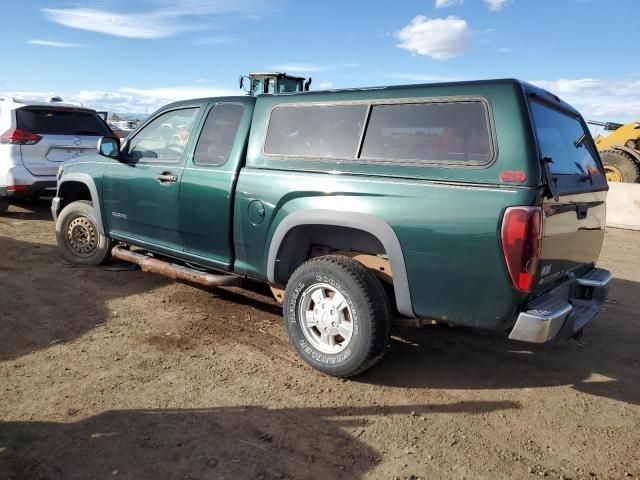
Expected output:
(337, 315)
(4, 205)
(78, 237)
(619, 166)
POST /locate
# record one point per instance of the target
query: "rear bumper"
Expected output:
(565, 310)
(40, 188)
(28, 185)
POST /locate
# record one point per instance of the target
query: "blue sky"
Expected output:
(135, 56)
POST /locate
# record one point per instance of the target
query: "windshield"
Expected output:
(563, 139)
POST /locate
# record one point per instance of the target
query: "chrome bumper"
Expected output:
(563, 311)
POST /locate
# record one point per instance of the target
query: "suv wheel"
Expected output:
(4, 206)
(78, 237)
(337, 315)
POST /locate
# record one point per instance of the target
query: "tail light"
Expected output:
(521, 241)
(15, 136)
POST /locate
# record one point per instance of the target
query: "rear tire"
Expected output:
(78, 237)
(4, 206)
(337, 315)
(619, 166)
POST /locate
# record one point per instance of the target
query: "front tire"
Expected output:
(337, 315)
(78, 237)
(4, 205)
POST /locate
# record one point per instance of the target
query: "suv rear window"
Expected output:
(563, 139)
(53, 121)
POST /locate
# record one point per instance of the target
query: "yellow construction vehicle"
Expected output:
(620, 151)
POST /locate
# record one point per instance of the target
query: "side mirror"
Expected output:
(109, 147)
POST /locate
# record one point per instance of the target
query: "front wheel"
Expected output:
(78, 237)
(4, 206)
(337, 315)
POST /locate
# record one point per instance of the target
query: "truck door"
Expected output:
(208, 183)
(140, 193)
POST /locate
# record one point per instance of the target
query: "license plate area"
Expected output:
(62, 154)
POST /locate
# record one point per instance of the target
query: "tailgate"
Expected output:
(573, 230)
(44, 157)
(573, 221)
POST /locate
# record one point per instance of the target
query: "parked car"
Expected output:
(35, 138)
(475, 203)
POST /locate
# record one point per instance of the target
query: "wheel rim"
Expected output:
(326, 318)
(613, 173)
(82, 236)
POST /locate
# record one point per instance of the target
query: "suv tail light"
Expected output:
(521, 241)
(15, 136)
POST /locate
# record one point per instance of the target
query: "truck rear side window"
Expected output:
(218, 134)
(315, 131)
(55, 121)
(447, 132)
(563, 139)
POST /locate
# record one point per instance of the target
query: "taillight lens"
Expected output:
(15, 136)
(521, 242)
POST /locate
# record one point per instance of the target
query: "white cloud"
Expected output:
(496, 5)
(214, 41)
(142, 25)
(609, 100)
(325, 85)
(180, 93)
(51, 43)
(438, 38)
(417, 77)
(128, 99)
(300, 67)
(170, 18)
(448, 3)
(565, 86)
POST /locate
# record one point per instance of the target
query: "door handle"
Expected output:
(167, 177)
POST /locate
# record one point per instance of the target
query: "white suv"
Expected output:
(36, 138)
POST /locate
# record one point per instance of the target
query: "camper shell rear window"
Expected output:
(566, 148)
(451, 132)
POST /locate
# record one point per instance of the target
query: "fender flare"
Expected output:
(87, 180)
(360, 221)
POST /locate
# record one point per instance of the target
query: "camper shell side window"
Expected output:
(455, 132)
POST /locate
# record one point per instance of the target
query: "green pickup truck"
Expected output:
(473, 203)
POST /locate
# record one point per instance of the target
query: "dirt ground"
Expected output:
(112, 373)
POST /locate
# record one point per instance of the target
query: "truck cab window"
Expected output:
(164, 138)
(218, 134)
